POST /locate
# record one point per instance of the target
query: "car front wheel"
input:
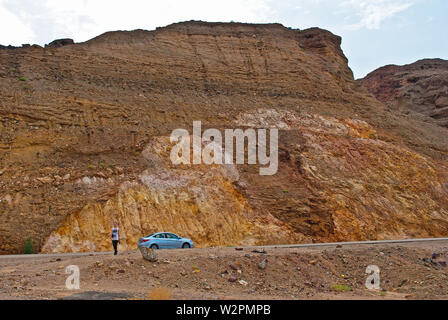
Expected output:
(186, 245)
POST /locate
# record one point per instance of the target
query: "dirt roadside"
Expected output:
(407, 271)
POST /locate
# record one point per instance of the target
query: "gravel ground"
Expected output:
(407, 271)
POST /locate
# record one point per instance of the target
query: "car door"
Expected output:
(177, 240)
(160, 240)
(171, 241)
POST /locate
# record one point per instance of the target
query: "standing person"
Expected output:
(115, 237)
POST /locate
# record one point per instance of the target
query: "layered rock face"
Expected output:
(85, 141)
(420, 87)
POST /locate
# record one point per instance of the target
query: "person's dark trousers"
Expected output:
(115, 243)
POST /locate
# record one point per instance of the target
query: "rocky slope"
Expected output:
(420, 87)
(85, 130)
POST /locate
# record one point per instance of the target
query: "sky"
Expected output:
(374, 32)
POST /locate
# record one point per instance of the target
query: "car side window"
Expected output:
(172, 236)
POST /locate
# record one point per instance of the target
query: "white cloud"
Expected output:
(14, 31)
(31, 21)
(373, 12)
(46, 20)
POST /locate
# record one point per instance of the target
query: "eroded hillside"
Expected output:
(84, 141)
(420, 87)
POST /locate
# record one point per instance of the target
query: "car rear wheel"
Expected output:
(186, 245)
(154, 246)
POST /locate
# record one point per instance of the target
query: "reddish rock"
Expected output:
(420, 87)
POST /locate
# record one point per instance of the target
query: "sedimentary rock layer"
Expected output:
(84, 131)
(420, 87)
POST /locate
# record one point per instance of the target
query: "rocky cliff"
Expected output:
(85, 142)
(420, 87)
